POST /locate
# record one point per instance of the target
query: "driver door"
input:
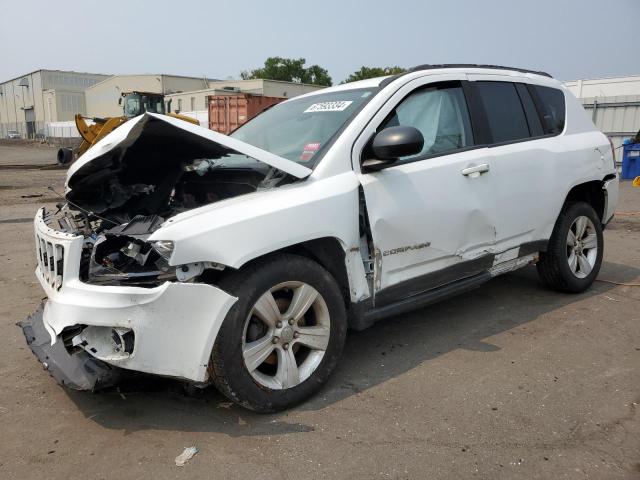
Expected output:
(430, 217)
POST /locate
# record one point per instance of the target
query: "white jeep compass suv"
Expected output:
(242, 260)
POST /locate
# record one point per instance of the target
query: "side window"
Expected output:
(551, 102)
(505, 115)
(533, 119)
(440, 113)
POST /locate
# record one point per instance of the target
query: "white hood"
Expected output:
(127, 135)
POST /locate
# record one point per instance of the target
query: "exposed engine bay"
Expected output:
(119, 198)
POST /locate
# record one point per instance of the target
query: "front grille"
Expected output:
(58, 254)
(50, 257)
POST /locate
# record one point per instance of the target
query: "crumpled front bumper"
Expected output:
(79, 371)
(174, 324)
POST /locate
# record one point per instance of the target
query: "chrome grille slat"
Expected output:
(50, 257)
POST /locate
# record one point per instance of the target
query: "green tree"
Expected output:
(289, 70)
(372, 72)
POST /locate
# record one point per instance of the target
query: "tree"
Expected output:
(372, 72)
(290, 70)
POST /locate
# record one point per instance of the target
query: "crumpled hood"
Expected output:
(156, 145)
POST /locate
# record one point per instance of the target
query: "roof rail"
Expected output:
(474, 65)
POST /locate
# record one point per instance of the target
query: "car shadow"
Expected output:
(382, 352)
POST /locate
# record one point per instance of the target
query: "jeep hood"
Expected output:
(136, 168)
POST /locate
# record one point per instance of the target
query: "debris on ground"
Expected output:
(185, 456)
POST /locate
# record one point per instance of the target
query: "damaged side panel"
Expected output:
(425, 216)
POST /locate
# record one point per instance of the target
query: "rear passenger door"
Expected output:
(521, 158)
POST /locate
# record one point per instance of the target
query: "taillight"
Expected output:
(613, 152)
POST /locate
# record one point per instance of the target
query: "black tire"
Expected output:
(248, 284)
(553, 266)
(65, 156)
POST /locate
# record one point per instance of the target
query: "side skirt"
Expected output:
(422, 292)
(365, 315)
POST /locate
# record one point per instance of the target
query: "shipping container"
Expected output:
(228, 112)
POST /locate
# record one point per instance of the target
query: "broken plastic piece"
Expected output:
(185, 456)
(79, 371)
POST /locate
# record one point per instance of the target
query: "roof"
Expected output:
(622, 78)
(49, 70)
(474, 65)
(111, 77)
(383, 81)
(217, 85)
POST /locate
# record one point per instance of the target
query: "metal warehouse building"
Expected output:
(613, 103)
(102, 98)
(29, 101)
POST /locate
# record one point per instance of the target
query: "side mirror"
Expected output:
(391, 143)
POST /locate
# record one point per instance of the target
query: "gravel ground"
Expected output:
(506, 382)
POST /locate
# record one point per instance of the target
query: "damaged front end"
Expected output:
(114, 299)
(78, 372)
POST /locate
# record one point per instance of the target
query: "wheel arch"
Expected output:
(328, 252)
(591, 192)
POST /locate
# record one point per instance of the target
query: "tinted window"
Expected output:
(440, 113)
(551, 102)
(505, 115)
(533, 119)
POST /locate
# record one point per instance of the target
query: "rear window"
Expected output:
(552, 106)
(505, 115)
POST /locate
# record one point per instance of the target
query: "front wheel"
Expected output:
(284, 335)
(574, 254)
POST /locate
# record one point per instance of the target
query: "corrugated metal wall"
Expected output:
(613, 104)
(618, 117)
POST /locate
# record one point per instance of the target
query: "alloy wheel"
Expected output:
(582, 246)
(286, 335)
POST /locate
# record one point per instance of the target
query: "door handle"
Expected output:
(475, 171)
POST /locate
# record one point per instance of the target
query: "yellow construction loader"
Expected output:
(133, 104)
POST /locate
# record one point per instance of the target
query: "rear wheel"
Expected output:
(283, 337)
(574, 254)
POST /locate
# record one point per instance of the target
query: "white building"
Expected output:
(30, 101)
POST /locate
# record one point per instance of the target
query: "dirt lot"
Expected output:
(510, 381)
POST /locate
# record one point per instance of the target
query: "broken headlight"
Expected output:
(123, 260)
(163, 247)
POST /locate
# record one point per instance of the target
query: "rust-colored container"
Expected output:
(228, 112)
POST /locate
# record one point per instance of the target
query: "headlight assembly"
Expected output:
(163, 247)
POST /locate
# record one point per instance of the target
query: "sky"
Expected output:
(570, 39)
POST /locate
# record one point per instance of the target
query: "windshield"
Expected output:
(135, 105)
(302, 129)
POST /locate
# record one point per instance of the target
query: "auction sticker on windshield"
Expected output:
(329, 106)
(309, 150)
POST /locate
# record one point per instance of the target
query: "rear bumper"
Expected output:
(610, 188)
